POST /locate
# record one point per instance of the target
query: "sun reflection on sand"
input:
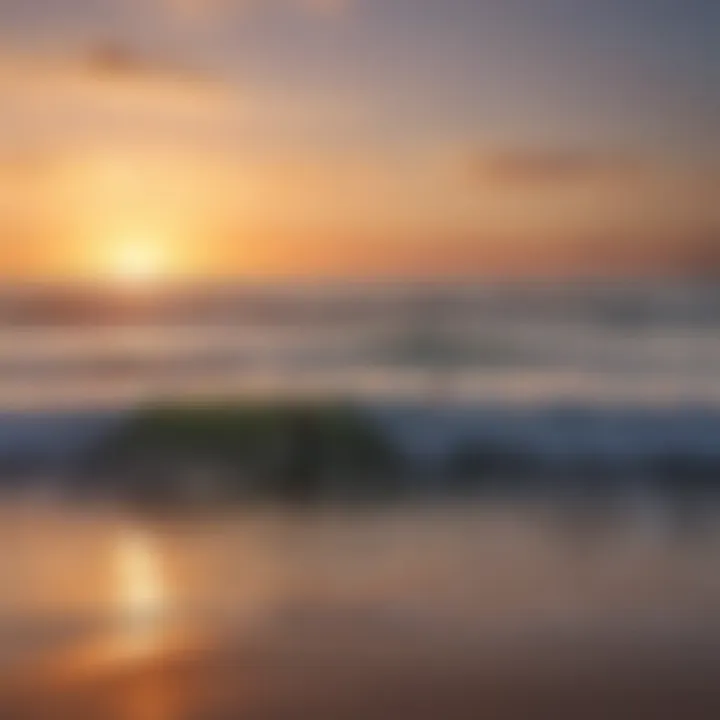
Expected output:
(138, 627)
(141, 587)
(133, 636)
(141, 593)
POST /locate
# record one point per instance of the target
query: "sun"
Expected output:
(137, 262)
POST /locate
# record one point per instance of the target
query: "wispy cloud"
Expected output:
(112, 61)
(103, 76)
(552, 167)
(99, 60)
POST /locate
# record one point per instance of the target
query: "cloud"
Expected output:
(551, 167)
(112, 61)
(105, 76)
(102, 61)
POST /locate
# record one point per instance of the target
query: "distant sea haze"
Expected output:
(639, 343)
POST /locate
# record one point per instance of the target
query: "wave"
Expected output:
(550, 440)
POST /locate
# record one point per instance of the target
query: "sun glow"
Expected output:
(137, 261)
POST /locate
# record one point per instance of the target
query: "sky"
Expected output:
(359, 137)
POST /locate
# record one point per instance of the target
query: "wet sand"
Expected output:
(324, 672)
(488, 614)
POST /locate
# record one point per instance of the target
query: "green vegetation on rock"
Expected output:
(288, 451)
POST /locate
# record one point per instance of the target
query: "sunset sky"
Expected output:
(364, 137)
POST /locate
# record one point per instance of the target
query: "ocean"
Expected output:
(610, 367)
(630, 342)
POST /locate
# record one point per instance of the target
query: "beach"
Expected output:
(321, 673)
(498, 612)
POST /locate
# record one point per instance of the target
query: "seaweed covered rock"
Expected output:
(288, 451)
(478, 461)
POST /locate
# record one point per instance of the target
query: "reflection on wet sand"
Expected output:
(138, 629)
(498, 612)
(141, 594)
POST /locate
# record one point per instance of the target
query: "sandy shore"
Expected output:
(329, 673)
